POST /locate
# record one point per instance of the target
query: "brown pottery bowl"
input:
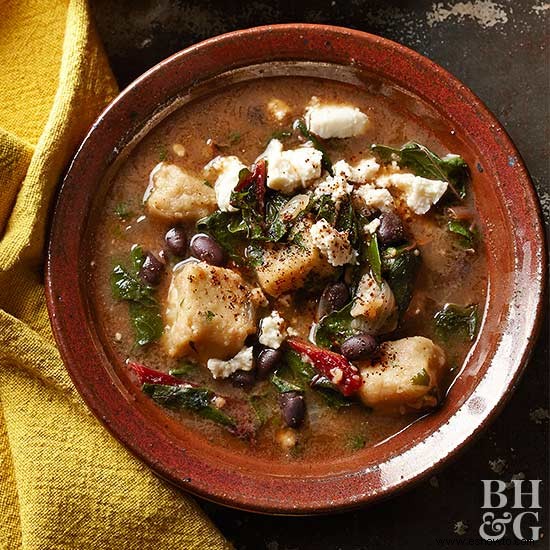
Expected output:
(511, 228)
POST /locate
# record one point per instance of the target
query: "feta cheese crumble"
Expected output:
(332, 243)
(420, 193)
(272, 331)
(375, 199)
(336, 186)
(335, 121)
(362, 172)
(227, 170)
(289, 170)
(244, 360)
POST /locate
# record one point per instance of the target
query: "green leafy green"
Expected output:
(400, 266)
(225, 229)
(456, 320)
(185, 368)
(198, 400)
(423, 162)
(421, 378)
(466, 234)
(306, 374)
(146, 321)
(335, 327)
(326, 162)
(373, 257)
(162, 152)
(282, 385)
(143, 308)
(260, 408)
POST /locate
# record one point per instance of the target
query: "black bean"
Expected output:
(151, 270)
(243, 379)
(176, 241)
(293, 408)
(360, 346)
(268, 360)
(390, 230)
(206, 249)
(334, 297)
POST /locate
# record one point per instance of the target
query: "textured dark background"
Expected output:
(500, 50)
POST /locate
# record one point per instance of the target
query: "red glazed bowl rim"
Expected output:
(500, 365)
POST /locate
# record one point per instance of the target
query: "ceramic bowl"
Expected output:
(511, 229)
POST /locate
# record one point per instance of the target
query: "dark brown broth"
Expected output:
(447, 273)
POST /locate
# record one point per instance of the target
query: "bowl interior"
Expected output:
(511, 234)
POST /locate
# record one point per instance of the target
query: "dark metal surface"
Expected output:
(500, 50)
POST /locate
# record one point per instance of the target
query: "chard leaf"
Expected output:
(373, 257)
(143, 308)
(146, 321)
(282, 385)
(183, 369)
(123, 211)
(326, 162)
(400, 266)
(425, 163)
(456, 320)
(255, 256)
(306, 373)
(227, 229)
(466, 236)
(335, 327)
(125, 286)
(193, 399)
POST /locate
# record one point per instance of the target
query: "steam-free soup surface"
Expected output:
(441, 250)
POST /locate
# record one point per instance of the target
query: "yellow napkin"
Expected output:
(64, 481)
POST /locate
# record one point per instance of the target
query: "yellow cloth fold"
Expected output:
(64, 481)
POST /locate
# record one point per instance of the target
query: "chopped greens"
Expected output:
(425, 163)
(373, 257)
(194, 399)
(400, 266)
(183, 369)
(325, 162)
(421, 378)
(466, 233)
(307, 375)
(224, 228)
(143, 308)
(456, 320)
(335, 327)
(282, 385)
(147, 322)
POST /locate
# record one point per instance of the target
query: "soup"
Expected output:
(292, 267)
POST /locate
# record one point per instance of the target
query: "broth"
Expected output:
(235, 121)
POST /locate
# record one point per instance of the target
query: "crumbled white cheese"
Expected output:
(272, 330)
(336, 186)
(278, 109)
(335, 121)
(372, 226)
(420, 193)
(332, 243)
(375, 305)
(375, 199)
(227, 170)
(362, 172)
(289, 170)
(244, 360)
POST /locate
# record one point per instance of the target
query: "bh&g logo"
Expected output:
(523, 518)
